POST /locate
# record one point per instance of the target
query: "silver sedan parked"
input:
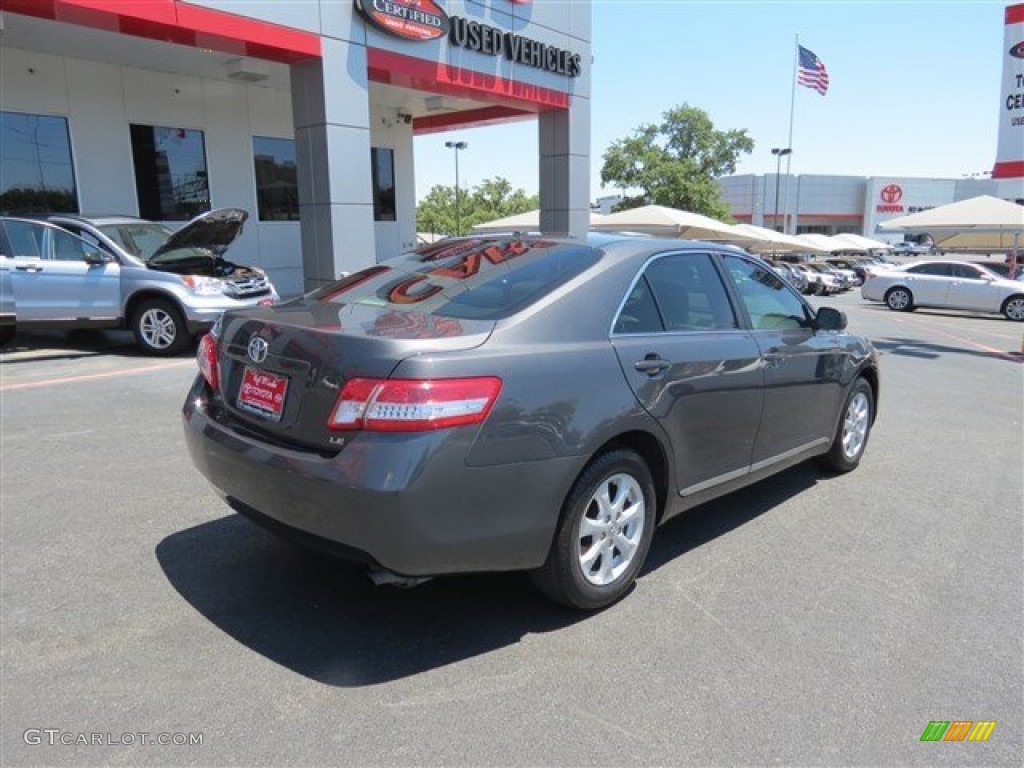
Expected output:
(946, 284)
(539, 404)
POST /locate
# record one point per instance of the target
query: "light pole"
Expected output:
(457, 145)
(779, 154)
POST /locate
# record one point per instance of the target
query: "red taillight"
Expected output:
(413, 405)
(206, 357)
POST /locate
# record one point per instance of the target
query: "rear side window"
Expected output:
(936, 270)
(25, 238)
(690, 293)
(479, 279)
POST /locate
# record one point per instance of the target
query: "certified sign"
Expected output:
(411, 19)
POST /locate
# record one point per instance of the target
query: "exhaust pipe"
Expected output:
(382, 577)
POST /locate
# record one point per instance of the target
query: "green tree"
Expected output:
(675, 163)
(491, 199)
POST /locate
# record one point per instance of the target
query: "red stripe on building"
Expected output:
(1015, 14)
(448, 80)
(172, 21)
(1010, 170)
(470, 118)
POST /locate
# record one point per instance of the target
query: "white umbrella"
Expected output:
(670, 222)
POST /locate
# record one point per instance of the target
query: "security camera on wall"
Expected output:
(405, 117)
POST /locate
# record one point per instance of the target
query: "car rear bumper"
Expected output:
(406, 502)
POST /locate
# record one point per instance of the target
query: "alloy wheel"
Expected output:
(611, 529)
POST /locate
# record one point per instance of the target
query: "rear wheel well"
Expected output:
(650, 450)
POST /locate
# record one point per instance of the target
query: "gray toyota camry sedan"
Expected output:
(533, 403)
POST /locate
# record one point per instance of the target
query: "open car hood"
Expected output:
(213, 231)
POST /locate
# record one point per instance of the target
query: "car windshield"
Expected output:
(479, 279)
(140, 239)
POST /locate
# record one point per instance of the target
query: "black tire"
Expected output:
(159, 327)
(1013, 308)
(899, 299)
(854, 429)
(611, 572)
(6, 334)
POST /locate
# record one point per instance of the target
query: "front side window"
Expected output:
(35, 155)
(277, 186)
(769, 302)
(382, 161)
(965, 272)
(66, 247)
(170, 172)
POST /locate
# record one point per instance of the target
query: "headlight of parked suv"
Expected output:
(203, 286)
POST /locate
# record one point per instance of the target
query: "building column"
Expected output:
(565, 169)
(330, 105)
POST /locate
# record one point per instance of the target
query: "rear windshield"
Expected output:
(478, 279)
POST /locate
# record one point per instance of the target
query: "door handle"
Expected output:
(29, 268)
(772, 358)
(652, 365)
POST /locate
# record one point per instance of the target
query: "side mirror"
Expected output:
(94, 258)
(830, 319)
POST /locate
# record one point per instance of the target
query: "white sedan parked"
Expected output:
(949, 284)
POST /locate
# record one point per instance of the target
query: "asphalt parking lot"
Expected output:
(807, 620)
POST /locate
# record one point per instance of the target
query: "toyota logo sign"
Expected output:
(258, 349)
(892, 193)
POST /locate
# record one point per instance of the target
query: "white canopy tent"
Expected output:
(771, 241)
(670, 222)
(520, 222)
(859, 243)
(824, 243)
(981, 223)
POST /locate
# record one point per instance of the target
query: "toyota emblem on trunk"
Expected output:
(258, 349)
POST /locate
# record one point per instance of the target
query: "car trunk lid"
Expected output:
(282, 369)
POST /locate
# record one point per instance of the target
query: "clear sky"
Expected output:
(914, 91)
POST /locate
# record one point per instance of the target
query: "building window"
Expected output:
(35, 157)
(170, 172)
(277, 188)
(383, 162)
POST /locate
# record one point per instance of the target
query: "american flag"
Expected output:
(811, 72)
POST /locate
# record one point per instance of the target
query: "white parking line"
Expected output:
(93, 376)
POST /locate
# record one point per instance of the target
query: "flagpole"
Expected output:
(792, 111)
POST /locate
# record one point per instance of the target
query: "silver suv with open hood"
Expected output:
(119, 271)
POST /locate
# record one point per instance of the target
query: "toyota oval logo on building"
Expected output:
(258, 349)
(1018, 50)
(411, 19)
(892, 193)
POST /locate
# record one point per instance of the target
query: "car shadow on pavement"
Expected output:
(930, 351)
(323, 618)
(35, 346)
(705, 523)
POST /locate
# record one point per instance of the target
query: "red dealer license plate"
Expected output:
(263, 393)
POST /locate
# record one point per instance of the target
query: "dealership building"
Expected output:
(831, 205)
(301, 112)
